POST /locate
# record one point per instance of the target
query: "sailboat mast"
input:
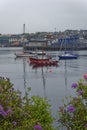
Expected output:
(23, 36)
(23, 28)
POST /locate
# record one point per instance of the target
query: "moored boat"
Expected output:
(35, 59)
(22, 55)
(42, 61)
(38, 52)
(65, 43)
(67, 56)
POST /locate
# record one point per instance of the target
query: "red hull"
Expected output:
(42, 62)
(34, 60)
(46, 63)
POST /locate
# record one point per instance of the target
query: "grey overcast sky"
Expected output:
(42, 15)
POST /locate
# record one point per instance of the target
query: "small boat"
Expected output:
(38, 52)
(67, 56)
(22, 55)
(34, 59)
(42, 61)
(30, 53)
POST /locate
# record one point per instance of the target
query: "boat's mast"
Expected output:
(23, 28)
(23, 35)
(65, 41)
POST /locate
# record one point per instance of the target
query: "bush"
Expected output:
(73, 113)
(19, 112)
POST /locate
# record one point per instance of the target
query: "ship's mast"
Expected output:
(23, 36)
(23, 28)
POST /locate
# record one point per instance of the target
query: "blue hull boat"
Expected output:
(67, 56)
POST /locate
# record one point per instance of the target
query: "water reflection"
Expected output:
(44, 81)
(24, 74)
(43, 76)
(65, 73)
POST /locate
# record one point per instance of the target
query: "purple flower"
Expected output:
(85, 76)
(80, 92)
(14, 123)
(74, 85)
(75, 98)
(3, 113)
(71, 109)
(1, 107)
(86, 125)
(9, 111)
(37, 127)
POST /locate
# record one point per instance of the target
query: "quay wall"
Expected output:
(79, 46)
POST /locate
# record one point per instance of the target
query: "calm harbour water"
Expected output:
(51, 82)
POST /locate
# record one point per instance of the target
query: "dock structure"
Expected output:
(48, 48)
(70, 43)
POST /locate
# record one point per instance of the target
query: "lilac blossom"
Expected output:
(86, 125)
(37, 127)
(71, 109)
(80, 92)
(85, 76)
(14, 123)
(1, 107)
(3, 112)
(75, 98)
(74, 85)
(9, 111)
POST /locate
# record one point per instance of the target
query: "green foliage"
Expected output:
(73, 113)
(22, 113)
